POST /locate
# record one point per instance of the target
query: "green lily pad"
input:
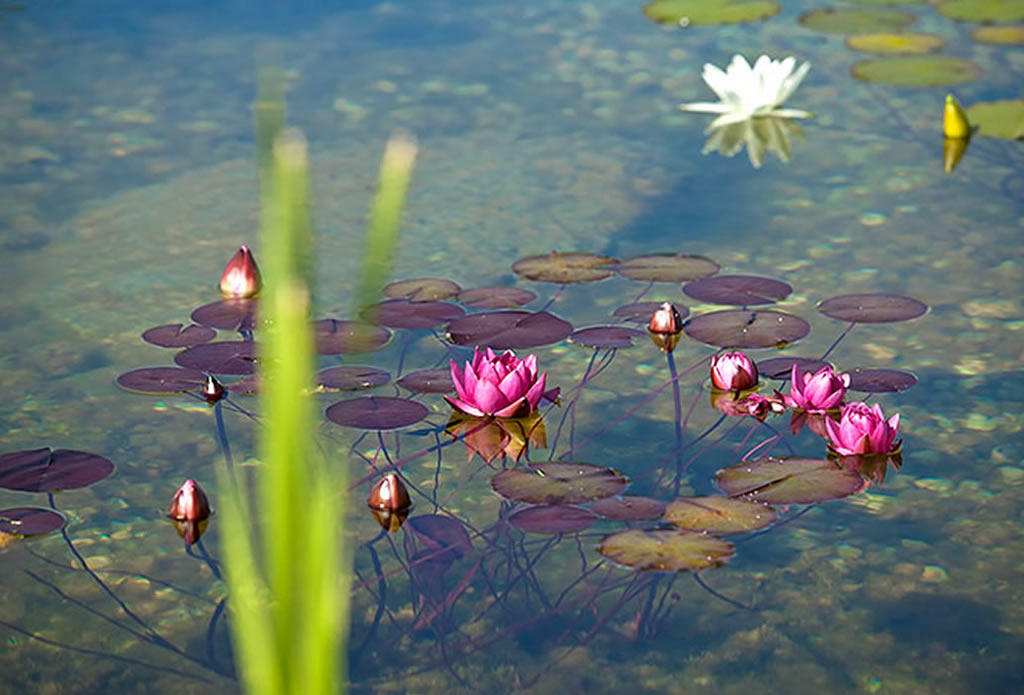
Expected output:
(565, 268)
(718, 514)
(983, 11)
(666, 549)
(916, 71)
(889, 2)
(558, 483)
(895, 44)
(709, 12)
(789, 481)
(999, 119)
(856, 20)
(1004, 35)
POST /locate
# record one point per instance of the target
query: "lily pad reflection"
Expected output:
(558, 483)
(789, 481)
(666, 549)
(718, 514)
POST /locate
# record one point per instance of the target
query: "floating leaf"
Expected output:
(376, 413)
(667, 267)
(565, 268)
(247, 385)
(227, 314)
(747, 329)
(227, 357)
(789, 481)
(666, 549)
(552, 519)
(402, 313)
(606, 336)
(872, 308)
(740, 290)
(558, 483)
(441, 533)
(496, 297)
(916, 71)
(508, 329)
(30, 521)
(718, 514)
(628, 508)
(896, 44)
(856, 20)
(880, 380)
(43, 470)
(641, 312)
(428, 381)
(335, 337)
(1005, 35)
(782, 367)
(176, 335)
(983, 11)
(422, 289)
(161, 380)
(709, 12)
(999, 119)
(351, 378)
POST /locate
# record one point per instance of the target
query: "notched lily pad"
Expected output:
(339, 337)
(419, 315)
(552, 518)
(747, 329)
(43, 470)
(789, 481)
(880, 380)
(495, 297)
(666, 550)
(872, 308)
(895, 43)
(227, 314)
(982, 11)
(177, 335)
(856, 20)
(718, 514)
(739, 290)
(565, 268)
(422, 289)
(916, 71)
(508, 329)
(628, 508)
(30, 521)
(226, 357)
(606, 336)
(156, 381)
(351, 378)
(709, 12)
(999, 119)
(558, 483)
(667, 267)
(428, 381)
(376, 413)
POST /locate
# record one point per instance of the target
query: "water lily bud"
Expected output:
(389, 501)
(954, 120)
(863, 429)
(190, 511)
(241, 278)
(212, 390)
(733, 371)
(665, 327)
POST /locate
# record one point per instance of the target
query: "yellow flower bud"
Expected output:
(954, 120)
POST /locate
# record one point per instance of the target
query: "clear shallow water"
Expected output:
(126, 162)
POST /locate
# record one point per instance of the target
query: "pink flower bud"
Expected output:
(241, 277)
(733, 371)
(212, 390)
(190, 511)
(665, 327)
(389, 501)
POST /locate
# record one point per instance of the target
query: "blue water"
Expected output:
(128, 179)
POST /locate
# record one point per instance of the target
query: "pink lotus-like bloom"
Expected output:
(498, 385)
(241, 277)
(816, 393)
(733, 371)
(863, 429)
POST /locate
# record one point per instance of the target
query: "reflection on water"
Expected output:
(126, 158)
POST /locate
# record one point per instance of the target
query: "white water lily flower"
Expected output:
(750, 92)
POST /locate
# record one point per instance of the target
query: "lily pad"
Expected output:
(667, 267)
(718, 514)
(226, 357)
(552, 518)
(495, 297)
(558, 483)
(30, 521)
(628, 508)
(176, 335)
(872, 308)
(337, 337)
(227, 314)
(739, 290)
(428, 381)
(896, 43)
(709, 12)
(156, 381)
(421, 289)
(999, 119)
(641, 312)
(441, 534)
(606, 336)
(880, 380)
(789, 481)
(508, 329)
(376, 413)
(856, 20)
(747, 329)
(982, 11)
(43, 470)
(1003, 35)
(402, 313)
(916, 71)
(666, 549)
(565, 268)
(351, 378)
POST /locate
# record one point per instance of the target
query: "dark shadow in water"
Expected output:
(960, 625)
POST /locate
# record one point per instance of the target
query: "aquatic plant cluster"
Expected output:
(495, 401)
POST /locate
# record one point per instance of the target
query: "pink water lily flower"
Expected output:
(816, 393)
(863, 429)
(733, 371)
(498, 385)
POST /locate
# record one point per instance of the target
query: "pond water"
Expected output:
(127, 162)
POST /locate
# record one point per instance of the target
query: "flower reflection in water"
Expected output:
(492, 437)
(760, 135)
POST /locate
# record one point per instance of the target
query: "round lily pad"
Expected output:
(740, 290)
(880, 380)
(30, 521)
(916, 71)
(552, 518)
(43, 470)
(376, 413)
(666, 549)
(402, 313)
(747, 329)
(351, 378)
(1005, 35)
(856, 20)
(782, 367)
(496, 297)
(709, 12)
(336, 337)
(422, 289)
(999, 119)
(628, 508)
(508, 329)
(872, 308)
(558, 483)
(437, 532)
(247, 385)
(896, 44)
(565, 268)
(667, 267)
(227, 314)
(983, 11)
(176, 335)
(606, 336)
(718, 514)
(789, 481)
(161, 380)
(641, 312)
(226, 357)
(428, 381)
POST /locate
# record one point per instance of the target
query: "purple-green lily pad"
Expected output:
(552, 518)
(666, 550)
(351, 378)
(30, 521)
(421, 289)
(718, 514)
(667, 267)
(880, 380)
(509, 329)
(339, 337)
(557, 482)
(225, 357)
(158, 381)
(738, 290)
(46, 470)
(418, 315)
(227, 314)
(872, 308)
(428, 381)
(606, 336)
(376, 413)
(495, 297)
(177, 335)
(441, 533)
(741, 328)
(789, 481)
(628, 508)
(565, 268)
